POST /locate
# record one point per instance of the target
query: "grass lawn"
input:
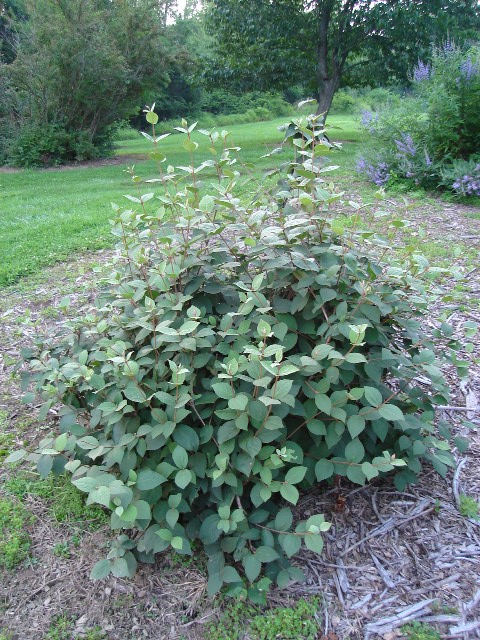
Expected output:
(49, 215)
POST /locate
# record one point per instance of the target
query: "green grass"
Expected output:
(65, 502)
(14, 540)
(50, 215)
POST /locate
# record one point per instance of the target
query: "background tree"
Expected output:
(262, 44)
(83, 64)
(11, 11)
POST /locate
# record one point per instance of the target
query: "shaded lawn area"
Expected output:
(49, 215)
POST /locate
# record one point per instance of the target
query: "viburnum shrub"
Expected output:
(241, 351)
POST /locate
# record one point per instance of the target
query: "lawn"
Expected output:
(50, 215)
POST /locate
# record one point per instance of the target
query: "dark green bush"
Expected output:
(50, 145)
(239, 352)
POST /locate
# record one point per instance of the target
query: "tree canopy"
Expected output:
(263, 44)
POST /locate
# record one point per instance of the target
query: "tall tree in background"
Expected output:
(262, 44)
(11, 12)
(82, 65)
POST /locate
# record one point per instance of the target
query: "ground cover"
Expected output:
(413, 555)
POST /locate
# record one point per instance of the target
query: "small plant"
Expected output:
(298, 622)
(469, 507)
(6, 438)
(60, 628)
(240, 351)
(420, 631)
(14, 540)
(62, 550)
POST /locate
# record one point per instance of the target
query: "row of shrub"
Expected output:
(355, 100)
(431, 138)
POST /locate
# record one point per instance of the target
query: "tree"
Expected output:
(264, 44)
(10, 12)
(81, 65)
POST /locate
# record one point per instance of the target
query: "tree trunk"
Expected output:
(326, 91)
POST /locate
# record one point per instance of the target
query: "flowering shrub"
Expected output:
(463, 177)
(434, 127)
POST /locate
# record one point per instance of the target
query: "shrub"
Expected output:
(463, 177)
(238, 353)
(430, 138)
(50, 145)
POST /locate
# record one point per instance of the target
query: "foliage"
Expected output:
(463, 176)
(469, 507)
(431, 139)
(318, 42)
(420, 631)
(298, 622)
(80, 65)
(49, 145)
(14, 540)
(240, 351)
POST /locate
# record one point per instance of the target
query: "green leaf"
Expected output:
(177, 542)
(101, 570)
(252, 567)
(314, 542)
(223, 390)
(289, 493)
(355, 425)
(324, 469)
(183, 478)
(151, 117)
(391, 412)
(369, 470)
(239, 402)
(354, 451)
(355, 358)
(284, 519)
(119, 568)
(190, 145)
(323, 403)
(214, 584)
(295, 475)
(230, 574)
(291, 544)
(355, 474)
(148, 479)
(266, 554)
(15, 456)
(373, 396)
(85, 484)
(180, 457)
(134, 393)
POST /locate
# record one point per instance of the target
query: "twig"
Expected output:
(397, 620)
(456, 632)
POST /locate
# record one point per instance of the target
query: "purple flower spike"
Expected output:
(406, 146)
(422, 72)
(468, 69)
